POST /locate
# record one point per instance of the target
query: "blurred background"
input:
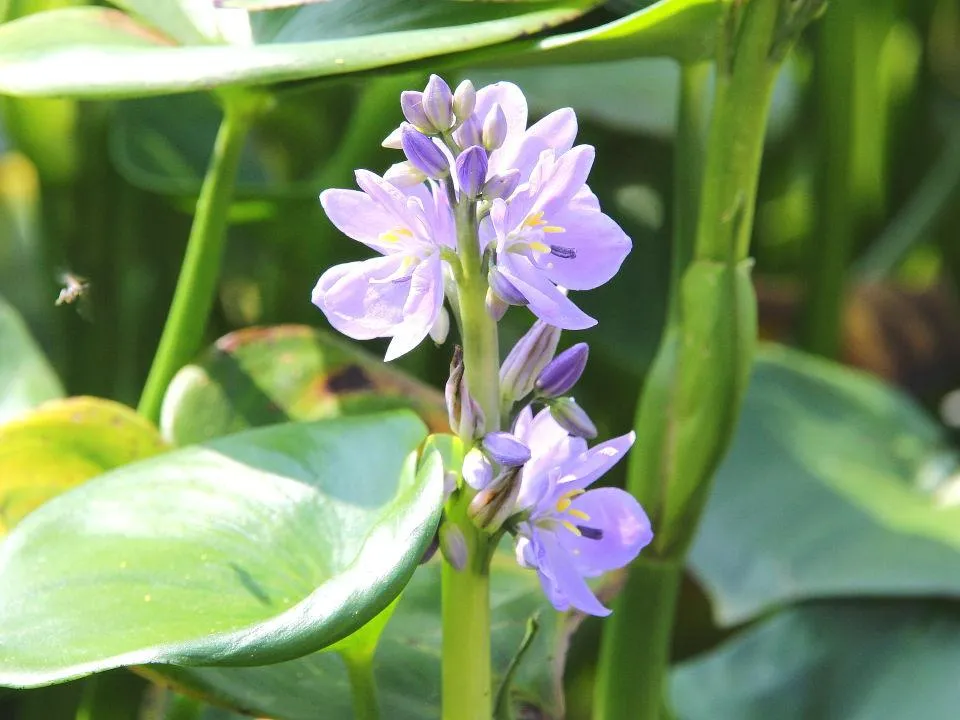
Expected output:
(857, 261)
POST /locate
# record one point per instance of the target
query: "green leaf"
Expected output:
(877, 661)
(407, 663)
(99, 52)
(260, 376)
(255, 548)
(62, 444)
(836, 485)
(685, 30)
(26, 378)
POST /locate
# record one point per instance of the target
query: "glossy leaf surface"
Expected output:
(682, 29)
(255, 548)
(26, 378)
(260, 376)
(407, 663)
(881, 661)
(830, 469)
(62, 444)
(100, 52)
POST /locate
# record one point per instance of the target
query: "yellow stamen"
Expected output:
(553, 229)
(564, 502)
(392, 236)
(572, 528)
(539, 247)
(535, 220)
(580, 514)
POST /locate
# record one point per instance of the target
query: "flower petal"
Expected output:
(562, 583)
(624, 525)
(388, 197)
(556, 182)
(588, 252)
(421, 308)
(582, 470)
(546, 301)
(558, 130)
(358, 216)
(511, 100)
(364, 300)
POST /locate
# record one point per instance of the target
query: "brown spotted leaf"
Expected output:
(262, 376)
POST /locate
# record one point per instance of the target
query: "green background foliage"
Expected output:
(823, 579)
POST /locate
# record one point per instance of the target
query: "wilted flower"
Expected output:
(570, 533)
(400, 294)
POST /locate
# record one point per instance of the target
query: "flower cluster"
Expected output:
(539, 233)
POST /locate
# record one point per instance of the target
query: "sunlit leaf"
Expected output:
(407, 662)
(829, 471)
(98, 52)
(260, 376)
(62, 444)
(255, 548)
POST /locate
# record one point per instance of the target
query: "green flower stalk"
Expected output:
(701, 370)
(485, 214)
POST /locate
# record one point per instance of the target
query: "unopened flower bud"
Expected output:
(527, 359)
(504, 449)
(562, 373)
(441, 327)
(438, 104)
(453, 545)
(465, 414)
(431, 549)
(469, 133)
(449, 484)
(464, 100)
(572, 418)
(501, 186)
(424, 154)
(494, 505)
(496, 308)
(503, 288)
(494, 128)
(411, 103)
(472, 170)
(403, 175)
(477, 469)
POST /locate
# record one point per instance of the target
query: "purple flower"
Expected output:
(400, 294)
(571, 533)
(552, 233)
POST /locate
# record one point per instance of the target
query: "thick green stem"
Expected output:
(363, 688)
(196, 287)
(687, 170)
(467, 683)
(481, 353)
(650, 592)
(467, 689)
(692, 397)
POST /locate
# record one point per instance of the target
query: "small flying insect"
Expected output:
(75, 290)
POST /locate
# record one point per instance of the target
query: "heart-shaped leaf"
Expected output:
(26, 378)
(876, 661)
(62, 444)
(255, 548)
(260, 376)
(835, 485)
(100, 52)
(407, 663)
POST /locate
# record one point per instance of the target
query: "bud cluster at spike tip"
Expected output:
(470, 155)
